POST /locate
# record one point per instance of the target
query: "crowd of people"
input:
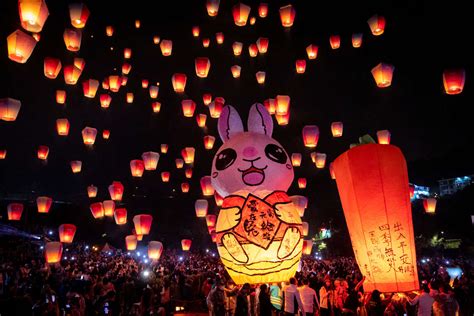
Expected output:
(89, 281)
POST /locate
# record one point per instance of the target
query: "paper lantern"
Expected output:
(253, 50)
(240, 12)
(92, 191)
(357, 40)
(138, 24)
(14, 210)
(165, 176)
(3, 154)
(33, 14)
(142, 223)
(188, 154)
(129, 97)
(88, 135)
(282, 104)
(300, 66)
(260, 77)
(212, 7)
(237, 48)
(307, 247)
(296, 159)
(453, 80)
(120, 216)
(71, 74)
(20, 46)
(72, 39)
(207, 98)
(218, 198)
(145, 83)
(331, 171)
(43, 203)
(188, 107)
(179, 163)
(383, 137)
(179, 82)
(51, 67)
(185, 187)
(186, 244)
(137, 167)
(211, 220)
(270, 105)
(313, 157)
(155, 248)
(43, 152)
(90, 87)
(166, 47)
(320, 160)
(164, 148)
(53, 250)
(215, 108)
(206, 186)
(205, 42)
(36, 36)
(201, 206)
(201, 120)
(115, 82)
(105, 100)
(377, 24)
(412, 192)
(150, 160)
(196, 31)
(263, 10)
(79, 63)
(116, 191)
(156, 107)
(430, 205)
(105, 134)
(310, 136)
(109, 208)
(220, 38)
(300, 203)
(127, 53)
(302, 183)
(383, 74)
(131, 242)
(66, 233)
(235, 69)
(287, 15)
(312, 51)
(372, 181)
(124, 80)
(109, 30)
(335, 41)
(79, 13)
(209, 142)
(282, 119)
(9, 109)
(188, 173)
(126, 68)
(60, 96)
(97, 210)
(305, 226)
(336, 129)
(202, 66)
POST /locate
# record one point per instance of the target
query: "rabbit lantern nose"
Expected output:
(250, 152)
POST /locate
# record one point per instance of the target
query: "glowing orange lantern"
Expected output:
(90, 87)
(62, 127)
(131, 242)
(412, 191)
(124, 80)
(115, 82)
(109, 208)
(137, 167)
(235, 71)
(212, 7)
(116, 191)
(150, 160)
(307, 247)
(252, 20)
(165, 176)
(305, 228)
(237, 48)
(120, 216)
(20, 46)
(312, 51)
(196, 31)
(260, 77)
(154, 91)
(14, 210)
(320, 160)
(79, 63)
(92, 191)
(79, 13)
(240, 13)
(430, 205)
(205, 42)
(202, 66)
(127, 53)
(76, 166)
(336, 129)
(188, 173)
(188, 154)
(36, 36)
(97, 210)
(156, 106)
(52, 66)
(9, 109)
(287, 15)
(188, 107)
(142, 223)
(109, 30)
(310, 135)
(43, 204)
(283, 119)
(145, 83)
(186, 244)
(219, 199)
(206, 186)
(335, 41)
(331, 171)
(383, 74)
(66, 233)
(211, 220)
(357, 40)
(164, 148)
(155, 248)
(105, 100)
(201, 206)
(253, 50)
(33, 14)
(43, 152)
(126, 67)
(215, 109)
(138, 24)
(220, 38)
(72, 39)
(377, 24)
(129, 97)
(296, 159)
(201, 120)
(60, 96)
(179, 82)
(270, 105)
(3, 154)
(71, 74)
(282, 104)
(53, 250)
(185, 187)
(453, 80)
(166, 47)
(263, 10)
(179, 163)
(300, 66)
(88, 135)
(105, 84)
(300, 202)
(383, 137)
(209, 142)
(302, 183)
(313, 157)
(207, 98)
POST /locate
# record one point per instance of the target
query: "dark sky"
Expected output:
(421, 39)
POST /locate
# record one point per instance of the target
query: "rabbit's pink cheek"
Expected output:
(215, 174)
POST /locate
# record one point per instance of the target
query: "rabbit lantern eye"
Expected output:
(275, 153)
(225, 159)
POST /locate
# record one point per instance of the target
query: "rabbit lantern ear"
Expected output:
(260, 121)
(229, 123)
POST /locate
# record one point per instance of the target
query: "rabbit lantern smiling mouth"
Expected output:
(259, 231)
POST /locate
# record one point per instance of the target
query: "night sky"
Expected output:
(421, 39)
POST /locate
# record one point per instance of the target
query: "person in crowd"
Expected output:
(230, 291)
(292, 299)
(424, 301)
(374, 304)
(308, 298)
(242, 305)
(326, 295)
(265, 306)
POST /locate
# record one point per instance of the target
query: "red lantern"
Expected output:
(92, 191)
(179, 82)
(331, 171)
(215, 108)
(196, 31)
(383, 74)
(430, 205)
(124, 80)
(335, 41)
(120, 216)
(179, 163)
(211, 220)
(105, 134)
(154, 91)
(72, 39)
(188, 154)
(188, 107)
(202, 66)
(237, 48)
(305, 228)
(282, 104)
(109, 208)
(105, 100)
(142, 224)
(185, 187)
(88, 135)
(300, 203)
(33, 14)
(186, 244)
(312, 51)
(270, 105)
(253, 50)
(150, 160)
(283, 119)
(138, 24)
(296, 159)
(302, 183)
(307, 247)
(43, 152)
(453, 80)
(126, 67)
(357, 40)
(287, 15)
(263, 10)
(97, 210)
(377, 25)
(79, 63)
(212, 7)
(14, 210)
(127, 53)
(220, 38)
(240, 13)
(116, 191)
(336, 129)
(201, 206)
(44, 204)
(155, 249)
(90, 87)
(201, 120)
(383, 137)
(206, 186)
(20, 46)
(300, 66)
(109, 30)
(207, 98)
(260, 77)
(51, 66)
(310, 136)
(36, 36)
(209, 142)
(3, 154)
(206, 42)
(156, 106)
(412, 191)
(66, 233)
(62, 127)
(137, 167)
(53, 250)
(131, 242)
(164, 148)
(235, 69)
(188, 173)
(165, 176)
(219, 199)
(71, 74)
(145, 83)
(79, 13)
(115, 82)
(60, 96)
(320, 160)
(166, 47)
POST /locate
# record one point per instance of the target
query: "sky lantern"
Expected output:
(206, 186)
(260, 75)
(116, 190)
(296, 159)
(252, 20)
(201, 206)
(165, 176)
(383, 137)
(145, 83)
(282, 119)
(79, 13)
(331, 171)
(142, 223)
(313, 156)
(92, 191)
(282, 104)
(43, 152)
(202, 66)
(220, 38)
(376, 24)
(150, 159)
(80, 63)
(412, 191)
(430, 205)
(90, 87)
(76, 166)
(188, 173)
(185, 187)
(138, 24)
(120, 216)
(310, 136)
(302, 183)
(211, 220)
(186, 244)
(71, 74)
(66, 233)
(307, 247)
(357, 40)
(127, 53)
(43, 203)
(166, 47)
(372, 181)
(335, 41)
(3, 154)
(382, 74)
(300, 202)
(105, 84)
(155, 249)
(212, 7)
(33, 14)
(62, 126)
(109, 30)
(72, 39)
(124, 80)
(300, 66)
(188, 154)
(53, 251)
(253, 50)
(9, 109)
(105, 100)
(36, 36)
(453, 80)
(156, 107)
(188, 107)
(312, 51)
(337, 129)
(263, 10)
(137, 167)
(88, 135)
(207, 98)
(240, 12)
(115, 82)
(52, 66)
(270, 105)
(97, 210)
(209, 142)
(196, 31)
(179, 82)
(206, 41)
(235, 69)
(305, 228)
(129, 97)
(179, 163)
(60, 96)
(218, 198)
(14, 210)
(164, 148)
(131, 242)
(287, 15)
(237, 48)
(153, 91)
(201, 120)
(105, 134)
(215, 109)
(109, 208)
(20, 46)
(320, 160)
(126, 68)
